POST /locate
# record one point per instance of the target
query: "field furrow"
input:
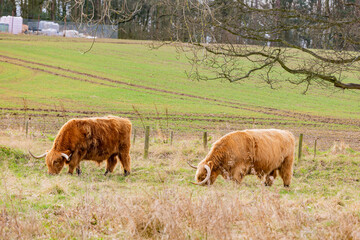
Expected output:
(220, 102)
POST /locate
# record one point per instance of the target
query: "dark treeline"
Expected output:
(164, 19)
(147, 22)
(319, 24)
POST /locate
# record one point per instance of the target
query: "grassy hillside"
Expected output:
(133, 62)
(50, 77)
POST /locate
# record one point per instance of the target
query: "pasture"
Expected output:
(47, 78)
(157, 201)
(50, 81)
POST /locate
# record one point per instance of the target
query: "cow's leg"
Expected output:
(261, 175)
(111, 164)
(239, 174)
(125, 160)
(286, 170)
(75, 162)
(72, 166)
(238, 178)
(78, 170)
(270, 178)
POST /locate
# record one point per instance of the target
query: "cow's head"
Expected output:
(55, 160)
(204, 173)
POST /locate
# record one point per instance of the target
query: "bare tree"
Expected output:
(306, 41)
(103, 11)
(95, 13)
(310, 42)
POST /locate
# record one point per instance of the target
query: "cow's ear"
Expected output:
(210, 164)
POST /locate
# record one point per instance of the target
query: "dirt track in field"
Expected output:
(136, 87)
(40, 112)
(44, 123)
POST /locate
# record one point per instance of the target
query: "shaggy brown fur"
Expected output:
(263, 152)
(96, 139)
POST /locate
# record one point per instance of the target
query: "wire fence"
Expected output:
(47, 124)
(69, 29)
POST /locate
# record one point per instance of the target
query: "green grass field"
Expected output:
(136, 63)
(49, 77)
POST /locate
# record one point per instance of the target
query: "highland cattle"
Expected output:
(263, 152)
(96, 139)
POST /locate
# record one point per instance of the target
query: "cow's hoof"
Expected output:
(78, 171)
(106, 172)
(126, 173)
(70, 173)
(287, 186)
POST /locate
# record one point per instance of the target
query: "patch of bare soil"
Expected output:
(231, 119)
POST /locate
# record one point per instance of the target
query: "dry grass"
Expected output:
(339, 147)
(157, 202)
(16, 139)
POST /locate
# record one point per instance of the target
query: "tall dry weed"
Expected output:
(339, 147)
(178, 214)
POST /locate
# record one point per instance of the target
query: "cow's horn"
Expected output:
(208, 170)
(191, 165)
(66, 156)
(37, 157)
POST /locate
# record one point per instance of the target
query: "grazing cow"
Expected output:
(263, 152)
(96, 139)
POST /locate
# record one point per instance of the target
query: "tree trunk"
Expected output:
(327, 8)
(1, 7)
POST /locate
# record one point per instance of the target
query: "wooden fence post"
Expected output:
(171, 137)
(315, 148)
(134, 136)
(300, 146)
(205, 138)
(27, 127)
(146, 146)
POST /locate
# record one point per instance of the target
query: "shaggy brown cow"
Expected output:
(96, 139)
(258, 151)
